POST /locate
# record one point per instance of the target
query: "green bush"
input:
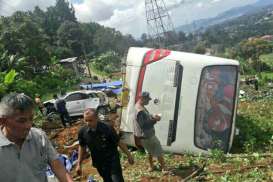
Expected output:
(26, 86)
(108, 62)
(255, 123)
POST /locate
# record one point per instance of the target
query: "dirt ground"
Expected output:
(63, 137)
(180, 167)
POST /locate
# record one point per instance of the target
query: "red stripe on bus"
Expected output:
(140, 82)
(150, 57)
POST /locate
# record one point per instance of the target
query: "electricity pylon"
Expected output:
(159, 23)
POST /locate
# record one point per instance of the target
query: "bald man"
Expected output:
(102, 141)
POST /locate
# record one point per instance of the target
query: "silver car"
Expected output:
(78, 101)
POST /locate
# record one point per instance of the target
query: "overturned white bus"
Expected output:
(195, 94)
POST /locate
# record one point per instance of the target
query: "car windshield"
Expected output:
(93, 95)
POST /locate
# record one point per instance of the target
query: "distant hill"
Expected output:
(229, 33)
(231, 14)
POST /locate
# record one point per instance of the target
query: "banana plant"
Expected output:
(8, 79)
(8, 62)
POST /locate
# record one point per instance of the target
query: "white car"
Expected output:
(78, 101)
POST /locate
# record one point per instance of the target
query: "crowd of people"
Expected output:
(25, 151)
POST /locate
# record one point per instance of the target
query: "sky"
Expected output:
(128, 16)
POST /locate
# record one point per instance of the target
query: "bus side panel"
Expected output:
(128, 112)
(185, 125)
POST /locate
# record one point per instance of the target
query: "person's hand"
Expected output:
(79, 170)
(131, 160)
(157, 117)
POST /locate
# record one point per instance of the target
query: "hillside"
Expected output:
(231, 32)
(203, 24)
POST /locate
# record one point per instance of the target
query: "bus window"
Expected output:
(215, 107)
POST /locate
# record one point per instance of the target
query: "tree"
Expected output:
(39, 35)
(144, 38)
(170, 38)
(22, 36)
(181, 36)
(38, 16)
(9, 62)
(253, 49)
(108, 62)
(88, 32)
(69, 35)
(200, 48)
(56, 15)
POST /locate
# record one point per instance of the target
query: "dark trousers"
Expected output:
(111, 172)
(65, 118)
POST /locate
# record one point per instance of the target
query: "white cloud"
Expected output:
(121, 4)
(129, 21)
(200, 5)
(215, 1)
(95, 10)
(128, 16)
(9, 7)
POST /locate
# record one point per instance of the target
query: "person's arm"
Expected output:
(125, 150)
(60, 172)
(52, 157)
(155, 117)
(144, 119)
(116, 141)
(81, 151)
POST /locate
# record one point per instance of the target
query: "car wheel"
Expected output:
(53, 117)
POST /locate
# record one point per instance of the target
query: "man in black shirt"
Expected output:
(102, 142)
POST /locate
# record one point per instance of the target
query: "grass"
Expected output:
(267, 75)
(255, 122)
(101, 74)
(98, 72)
(267, 59)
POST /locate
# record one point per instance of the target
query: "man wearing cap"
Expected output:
(145, 131)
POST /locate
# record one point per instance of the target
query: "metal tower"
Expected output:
(159, 23)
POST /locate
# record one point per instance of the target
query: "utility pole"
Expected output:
(86, 62)
(159, 23)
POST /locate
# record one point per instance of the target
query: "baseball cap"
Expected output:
(146, 95)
